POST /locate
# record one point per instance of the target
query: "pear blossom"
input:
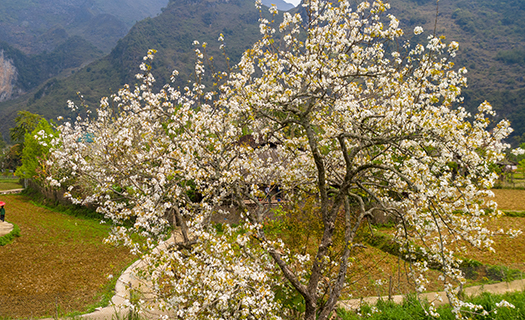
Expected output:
(326, 117)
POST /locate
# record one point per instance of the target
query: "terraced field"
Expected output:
(58, 265)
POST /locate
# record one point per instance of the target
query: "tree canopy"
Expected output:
(25, 123)
(36, 148)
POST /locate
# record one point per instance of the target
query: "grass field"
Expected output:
(8, 184)
(58, 265)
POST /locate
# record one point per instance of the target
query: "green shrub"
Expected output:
(411, 309)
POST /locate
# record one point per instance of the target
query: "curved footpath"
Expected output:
(440, 298)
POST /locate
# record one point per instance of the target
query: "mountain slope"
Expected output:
(34, 26)
(492, 47)
(22, 73)
(171, 33)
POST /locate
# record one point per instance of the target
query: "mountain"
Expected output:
(41, 39)
(21, 73)
(35, 26)
(171, 33)
(492, 47)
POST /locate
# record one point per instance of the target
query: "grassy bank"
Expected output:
(412, 309)
(60, 262)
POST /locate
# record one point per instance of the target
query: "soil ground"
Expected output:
(58, 265)
(510, 199)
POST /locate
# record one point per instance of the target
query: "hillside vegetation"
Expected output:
(492, 47)
(34, 26)
(34, 70)
(171, 33)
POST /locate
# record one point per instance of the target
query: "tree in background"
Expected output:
(12, 158)
(36, 147)
(342, 127)
(3, 152)
(2, 142)
(26, 122)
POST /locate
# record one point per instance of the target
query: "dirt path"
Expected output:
(12, 191)
(439, 298)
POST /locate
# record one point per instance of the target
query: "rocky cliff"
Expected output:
(8, 75)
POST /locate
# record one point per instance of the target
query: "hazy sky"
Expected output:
(294, 2)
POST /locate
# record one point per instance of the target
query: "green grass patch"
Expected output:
(9, 184)
(411, 309)
(37, 199)
(514, 214)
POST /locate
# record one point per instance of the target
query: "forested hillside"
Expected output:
(171, 33)
(34, 26)
(492, 47)
(28, 72)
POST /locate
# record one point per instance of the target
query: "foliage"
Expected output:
(12, 159)
(26, 122)
(411, 309)
(2, 143)
(317, 108)
(36, 147)
(512, 56)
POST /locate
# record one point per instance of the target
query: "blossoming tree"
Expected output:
(325, 113)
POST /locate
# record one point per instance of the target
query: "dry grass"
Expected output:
(58, 262)
(510, 199)
(372, 264)
(510, 252)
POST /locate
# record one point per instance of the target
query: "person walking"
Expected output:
(2, 211)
